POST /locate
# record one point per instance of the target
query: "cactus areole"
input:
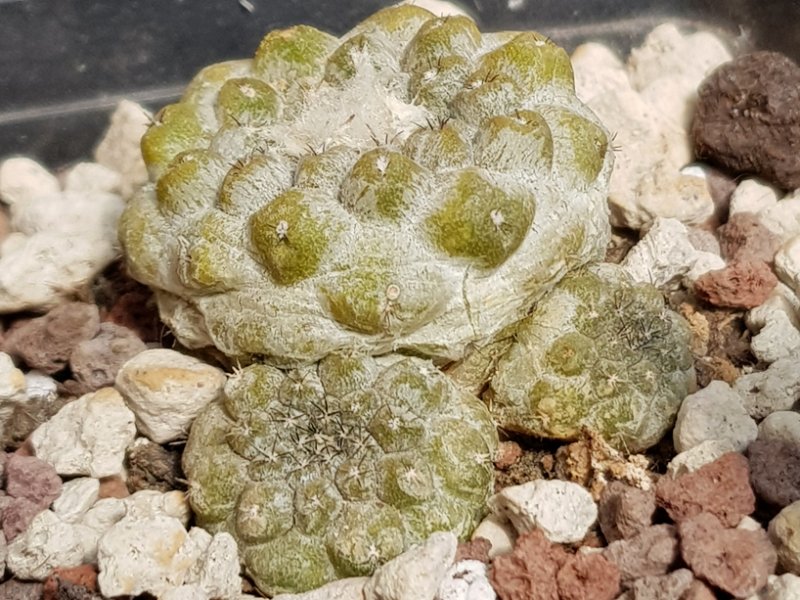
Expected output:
(414, 186)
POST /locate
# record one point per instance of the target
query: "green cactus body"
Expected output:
(331, 470)
(599, 352)
(414, 155)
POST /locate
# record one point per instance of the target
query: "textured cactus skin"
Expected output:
(598, 352)
(415, 185)
(327, 471)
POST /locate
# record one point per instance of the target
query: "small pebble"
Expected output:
(784, 532)
(351, 588)
(96, 362)
(787, 263)
(695, 457)
(741, 284)
(530, 571)
(651, 552)
(33, 479)
(76, 583)
(671, 586)
(713, 413)
(153, 467)
(562, 510)
(624, 511)
(780, 426)
(22, 179)
(119, 149)
(77, 496)
(588, 577)
(14, 589)
(775, 471)
(753, 196)
(466, 580)
(781, 587)
(744, 238)
(500, 533)
(775, 389)
(48, 543)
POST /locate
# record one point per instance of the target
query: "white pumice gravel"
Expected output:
(697, 456)
(714, 413)
(40, 387)
(77, 496)
(48, 543)
(351, 588)
(775, 389)
(22, 179)
(466, 580)
(88, 436)
(166, 390)
(417, 573)
(500, 532)
(784, 533)
(780, 587)
(563, 510)
(13, 389)
(92, 177)
(781, 426)
(775, 326)
(119, 148)
(787, 263)
(753, 196)
(783, 217)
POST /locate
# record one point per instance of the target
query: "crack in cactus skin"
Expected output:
(328, 471)
(291, 190)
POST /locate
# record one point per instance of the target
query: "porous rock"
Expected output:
(787, 263)
(46, 343)
(713, 413)
(87, 436)
(152, 467)
(695, 457)
(78, 496)
(166, 390)
(417, 573)
(119, 149)
(744, 239)
(477, 548)
(782, 425)
(721, 488)
(782, 217)
(499, 531)
(753, 196)
(466, 580)
(740, 284)
(588, 577)
(18, 514)
(737, 561)
(96, 362)
(747, 118)
(775, 471)
(624, 510)
(530, 571)
(75, 583)
(91, 177)
(784, 532)
(671, 586)
(33, 479)
(562, 510)
(22, 179)
(780, 587)
(775, 389)
(217, 572)
(775, 326)
(350, 588)
(14, 589)
(48, 543)
(652, 552)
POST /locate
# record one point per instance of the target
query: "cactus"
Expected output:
(330, 470)
(415, 185)
(600, 352)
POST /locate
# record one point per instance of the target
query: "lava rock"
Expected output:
(741, 284)
(588, 577)
(721, 488)
(744, 238)
(747, 118)
(33, 479)
(530, 571)
(737, 561)
(96, 362)
(650, 553)
(775, 471)
(77, 583)
(14, 589)
(671, 586)
(624, 511)
(477, 548)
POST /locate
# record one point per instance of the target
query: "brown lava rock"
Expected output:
(747, 118)
(775, 471)
(721, 488)
(508, 454)
(33, 479)
(737, 561)
(76, 583)
(13, 589)
(46, 343)
(624, 511)
(650, 553)
(476, 549)
(95, 362)
(742, 284)
(153, 467)
(588, 577)
(673, 586)
(744, 238)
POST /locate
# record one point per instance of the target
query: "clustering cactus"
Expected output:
(599, 352)
(331, 470)
(415, 185)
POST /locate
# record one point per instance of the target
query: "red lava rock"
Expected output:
(46, 343)
(17, 515)
(737, 561)
(624, 510)
(529, 571)
(672, 586)
(508, 454)
(651, 552)
(95, 362)
(775, 471)
(588, 577)
(33, 479)
(739, 285)
(13, 589)
(136, 310)
(113, 486)
(721, 488)
(477, 549)
(744, 238)
(747, 118)
(74, 583)
(698, 591)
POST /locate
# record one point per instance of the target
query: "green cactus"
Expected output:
(599, 352)
(414, 185)
(330, 470)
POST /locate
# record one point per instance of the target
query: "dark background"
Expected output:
(65, 63)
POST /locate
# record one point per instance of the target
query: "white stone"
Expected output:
(664, 255)
(87, 436)
(705, 262)
(598, 70)
(92, 177)
(218, 569)
(40, 387)
(784, 533)
(119, 150)
(351, 588)
(12, 382)
(563, 510)
(780, 587)
(752, 196)
(775, 326)
(749, 524)
(166, 390)
(152, 503)
(466, 580)
(697, 456)
(22, 178)
(783, 218)
(417, 573)
(781, 426)
(187, 591)
(47, 543)
(146, 555)
(93, 215)
(775, 389)
(95, 522)
(500, 533)
(77, 497)
(714, 413)
(787, 263)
